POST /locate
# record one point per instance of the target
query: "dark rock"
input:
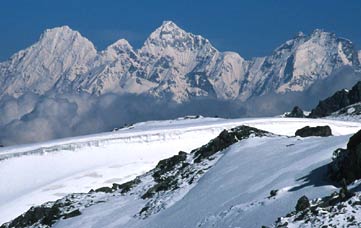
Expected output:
(346, 163)
(36, 215)
(169, 183)
(344, 193)
(355, 93)
(296, 112)
(144, 209)
(224, 140)
(302, 203)
(168, 164)
(104, 189)
(127, 186)
(308, 131)
(72, 214)
(273, 193)
(354, 141)
(337, 101)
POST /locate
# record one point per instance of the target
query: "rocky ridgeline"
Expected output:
(171, 178)
(343, 102)
(337, 101)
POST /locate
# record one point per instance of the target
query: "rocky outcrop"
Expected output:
(296, 112)
(346, 163)
(185, 169)
(335, 210)
(308, 131)
(302, 204)
(159, 187)
(43, 216)
(225, 139)
(337, 101)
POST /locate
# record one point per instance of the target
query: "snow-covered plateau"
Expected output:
(231, 189)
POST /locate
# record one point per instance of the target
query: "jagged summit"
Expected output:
(57, 58)
(64, 34)
(61, 29)
(169, 34)
(119, 47)
(169, 25)
(300, 34)
(120, 42)
(172, 64)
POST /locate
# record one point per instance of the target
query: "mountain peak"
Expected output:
(122, 43)
(300, 34)
(168, 30)
(321, 33)
(118, 48)
(171, 35)
(169, 25)
(62, 30)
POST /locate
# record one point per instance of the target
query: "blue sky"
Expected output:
(249, 27)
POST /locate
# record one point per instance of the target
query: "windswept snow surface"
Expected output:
(33, 174)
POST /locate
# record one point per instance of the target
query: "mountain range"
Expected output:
(172, 65)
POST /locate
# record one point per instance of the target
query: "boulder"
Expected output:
(308, 131)
(296, 112)
(302, 204)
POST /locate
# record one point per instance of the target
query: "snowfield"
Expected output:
(237, 185)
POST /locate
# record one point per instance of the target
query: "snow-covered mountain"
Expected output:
(172, 64)
(241, 176)
(299, 62)
(54, 62)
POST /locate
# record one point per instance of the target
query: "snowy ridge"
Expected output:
(172, 64)
(60, 55)
(160, 188)
(65, 170)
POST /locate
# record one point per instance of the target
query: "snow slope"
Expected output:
(235, 192)
(33, 174)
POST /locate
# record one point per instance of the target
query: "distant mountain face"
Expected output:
(172, 64)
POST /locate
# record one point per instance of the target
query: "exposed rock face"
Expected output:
(346, 164)
(44, 216)
(337, 101)
(307, 131)
(296, 112)
(224, 140)
(302, 204)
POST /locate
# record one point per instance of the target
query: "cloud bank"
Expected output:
(34, 118)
